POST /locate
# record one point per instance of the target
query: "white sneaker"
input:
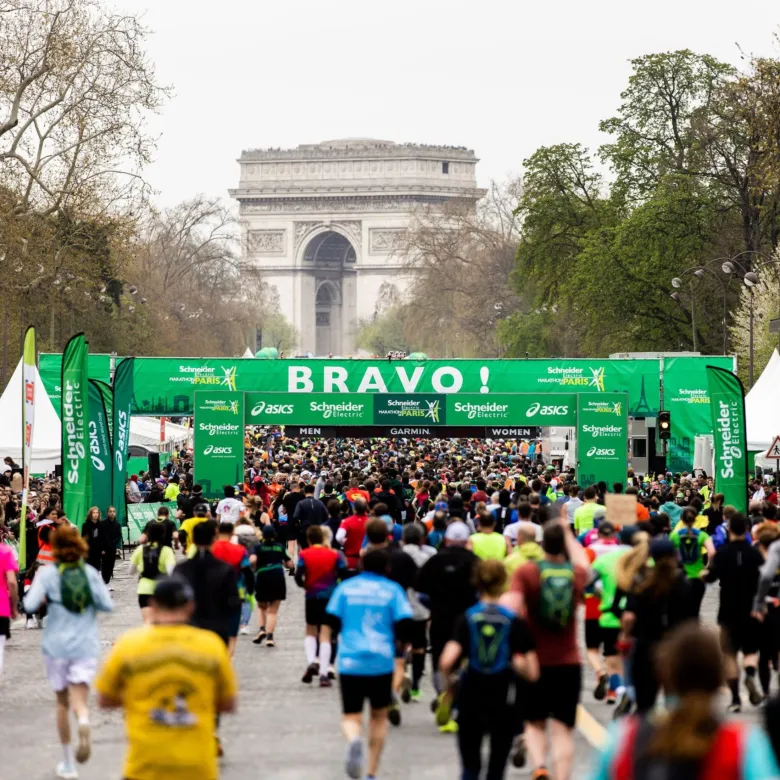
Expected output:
(110, 589)
(244, 630)
(30, 623)
(66, 772)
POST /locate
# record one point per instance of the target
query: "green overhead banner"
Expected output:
(687, 399)
(74, 416)
(602, 439)
(381, 409)
(100, 404)
(50, 370)
(165, 386)
(728, 424)
(120, 434)
(218, 440)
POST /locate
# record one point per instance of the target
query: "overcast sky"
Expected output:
(500, 76)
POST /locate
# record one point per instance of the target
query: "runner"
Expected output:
(152, 560)
(229, 508)
(200, 514)
(352, 532)
(588, 515)
(366, 661)
(692, 543)
(487, 543)
(236, 556)
(75, 593)
(497, 645)
(172, 680)
(269, 560)
(9, 595)
(546, 594)
(318, 572)
(737, 566)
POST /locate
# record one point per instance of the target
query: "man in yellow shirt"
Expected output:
(200, 515)
(172, 491)
(172, 680)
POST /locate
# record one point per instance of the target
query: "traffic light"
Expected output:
(664, 425)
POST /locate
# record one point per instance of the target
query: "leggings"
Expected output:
(645, 679)
(473, 726)
(768, 647)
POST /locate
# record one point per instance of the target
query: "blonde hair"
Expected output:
(630, 565)
(490, 577)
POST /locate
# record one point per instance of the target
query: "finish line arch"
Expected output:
(600, 420)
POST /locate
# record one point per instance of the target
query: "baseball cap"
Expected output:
(457, 532)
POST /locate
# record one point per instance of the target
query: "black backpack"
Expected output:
(151, 558)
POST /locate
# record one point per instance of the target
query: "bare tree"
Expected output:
(75, 85)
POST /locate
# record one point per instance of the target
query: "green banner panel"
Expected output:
(415, 409)
(100, 398)
(76, 464)
(165, 386)
(602, 439)
(512, 409)
(687, 399)
(120, 432)
(728, 423)
(219, 440)
(50, 369)
(308, 409)
(138, 515)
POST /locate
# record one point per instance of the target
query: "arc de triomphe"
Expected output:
(322, 224)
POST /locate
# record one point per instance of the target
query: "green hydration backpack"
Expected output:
(690, 545)
(556, 595)
(75, 592)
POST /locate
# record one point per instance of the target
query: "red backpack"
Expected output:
(723, 762)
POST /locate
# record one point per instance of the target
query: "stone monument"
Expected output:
(323, 223)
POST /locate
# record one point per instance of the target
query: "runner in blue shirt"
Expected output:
(371, 613)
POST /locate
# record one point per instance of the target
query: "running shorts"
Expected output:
(315, 611)
(356, 688)
(592, 634)
(63, 672)
(5, 627)
(609, 638)
(741, 635)
(555, 695)
(419, 635)
(234, 623)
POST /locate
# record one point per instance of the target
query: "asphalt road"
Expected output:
(284, 730)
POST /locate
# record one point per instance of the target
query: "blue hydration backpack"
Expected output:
(489, 629)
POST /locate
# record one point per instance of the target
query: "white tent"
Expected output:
(248, 353)
(762, 409)
(145, 431)
(46, 449)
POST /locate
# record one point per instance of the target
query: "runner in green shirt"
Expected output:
(692, 543)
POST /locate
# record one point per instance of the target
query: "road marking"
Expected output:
(591, 729)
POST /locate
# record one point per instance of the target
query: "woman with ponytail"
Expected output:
(691, 741)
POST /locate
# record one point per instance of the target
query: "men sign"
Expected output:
(218, 440)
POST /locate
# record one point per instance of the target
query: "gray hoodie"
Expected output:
(419, 554)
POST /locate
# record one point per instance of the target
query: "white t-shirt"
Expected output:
(510, 532)
(229, 510)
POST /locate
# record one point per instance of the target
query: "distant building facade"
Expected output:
(322, 225)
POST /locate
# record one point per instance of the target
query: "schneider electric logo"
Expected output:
(600, 451)
(730, 432)
(207, 375)
(212, 450)
(487, 409)
(338, 410)
(546, 411)
(265, 408)
(216, 430)
(603, 430)
(575, 376)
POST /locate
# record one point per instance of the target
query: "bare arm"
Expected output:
(227, 705)
(13, 593)
(449, 657)
(526, 665)
(106, 702)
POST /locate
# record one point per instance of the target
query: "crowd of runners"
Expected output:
(461, 574)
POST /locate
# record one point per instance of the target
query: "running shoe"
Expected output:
(84, 748)
(311, 671)
(66, 771)
(244, 630)
(734, 708)
(518, 756)
(415, 695)
(331, 672)
(394, 712)
(444, 708)
(450, 727)
(542, 773)
(270, 642)
(624, 706)
(354, 761)
(406, 688)
(756, 697)
(601, 687)
(325, 682)
(611, 697)
(261, 635)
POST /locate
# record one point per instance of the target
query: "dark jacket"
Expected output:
(391, 501)
(110, 534)
(91, 532)
(216, 591)
(310, 511)
(447, 580)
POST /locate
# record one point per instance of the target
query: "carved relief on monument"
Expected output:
(354, 229)
(387, 297)
(336, 204)
(265, 242)
(384, 240)
(302, 229)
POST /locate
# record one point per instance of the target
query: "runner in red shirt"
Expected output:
(352, 531)
(236, 556)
